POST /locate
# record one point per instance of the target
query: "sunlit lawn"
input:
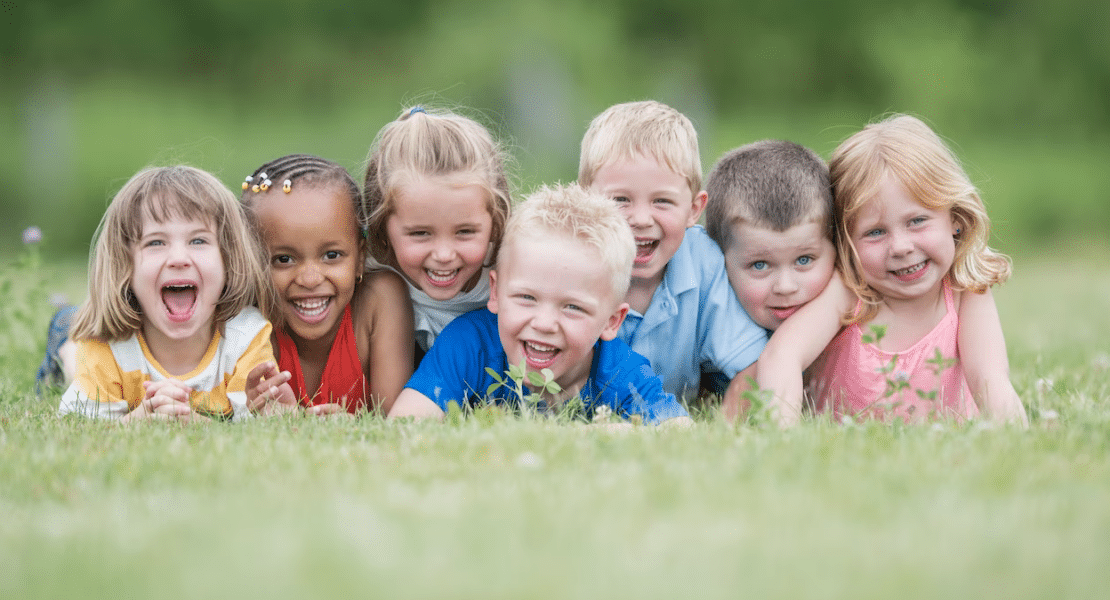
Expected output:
(520, 509)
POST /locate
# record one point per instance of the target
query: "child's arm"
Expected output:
(411, 403)
(984, 361)
(796, 344)
(390, 320)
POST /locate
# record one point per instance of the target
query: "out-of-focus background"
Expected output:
(91, 91)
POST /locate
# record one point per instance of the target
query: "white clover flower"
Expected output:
(32, 235)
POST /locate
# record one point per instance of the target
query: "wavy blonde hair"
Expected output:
(426, 142)
(112, 312)
(907, 149)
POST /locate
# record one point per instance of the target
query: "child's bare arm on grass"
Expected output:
(411, 403)
(391, 337)
(983, 359)
(733, 405)
(796, 344)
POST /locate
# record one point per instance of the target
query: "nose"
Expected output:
(544, 319)
(900, 243)
(638, 215)
(443, 252)
(309, 276)
(179, 255)
(785, 284)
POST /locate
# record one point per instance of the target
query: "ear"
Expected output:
(491, 304)
(697, 207)
(613, 323)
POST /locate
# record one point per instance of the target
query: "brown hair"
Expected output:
(112, 312)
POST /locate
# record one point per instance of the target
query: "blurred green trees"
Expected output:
(93, 90)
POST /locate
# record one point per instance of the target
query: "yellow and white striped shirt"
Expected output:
(110, 376)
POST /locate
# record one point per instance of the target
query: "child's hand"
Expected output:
(268, 390)
(327, 410)
(166, 399)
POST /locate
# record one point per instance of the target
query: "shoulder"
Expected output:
(249, 322)
(698, 253)
(479, 325)
(380, 291)
(245, 330)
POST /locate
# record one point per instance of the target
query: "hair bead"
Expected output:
(287, 186)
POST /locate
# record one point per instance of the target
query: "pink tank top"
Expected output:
(849, 379)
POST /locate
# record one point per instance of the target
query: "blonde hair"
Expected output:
(576, 212)
(647, 128)
(431, 143)
(911, 152)
(112, 312)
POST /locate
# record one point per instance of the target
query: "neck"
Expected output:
(641, 291)
(177, 357)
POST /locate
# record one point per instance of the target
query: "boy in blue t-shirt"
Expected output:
(684, 317)
(556, 302)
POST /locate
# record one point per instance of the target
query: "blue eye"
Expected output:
(804, 261)
(759, 265)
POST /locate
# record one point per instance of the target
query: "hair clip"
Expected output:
(247, 182)
(265, 185)
(287, 186)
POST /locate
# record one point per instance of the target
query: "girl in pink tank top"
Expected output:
(909, 328)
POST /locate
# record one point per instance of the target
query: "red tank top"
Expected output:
(342, 381)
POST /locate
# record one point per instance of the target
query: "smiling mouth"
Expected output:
(180, 300)
(645, 249)
(442, 278)
(539, 356)
(910, 270)
(311, 310)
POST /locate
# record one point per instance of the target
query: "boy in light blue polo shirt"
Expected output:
(684, 317)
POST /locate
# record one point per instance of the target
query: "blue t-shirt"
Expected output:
(455, 370)
(694, 322)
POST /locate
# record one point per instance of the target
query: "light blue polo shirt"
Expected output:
(694, 322)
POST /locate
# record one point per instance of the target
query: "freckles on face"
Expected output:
(440, 233)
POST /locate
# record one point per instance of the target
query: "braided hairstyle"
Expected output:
(306, 170)
(303, 169)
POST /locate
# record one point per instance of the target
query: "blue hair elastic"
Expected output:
(417, 109)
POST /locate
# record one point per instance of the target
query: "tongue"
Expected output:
(179, 302)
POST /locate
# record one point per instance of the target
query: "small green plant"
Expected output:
(760, 405)
(543, 382)
(897, 382)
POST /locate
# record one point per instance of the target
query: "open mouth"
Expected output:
(645, 250)
(539, 356)
(442, 278)
(311, 310)
(911, 272)
(180, 300)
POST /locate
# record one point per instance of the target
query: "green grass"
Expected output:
(509, 508)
